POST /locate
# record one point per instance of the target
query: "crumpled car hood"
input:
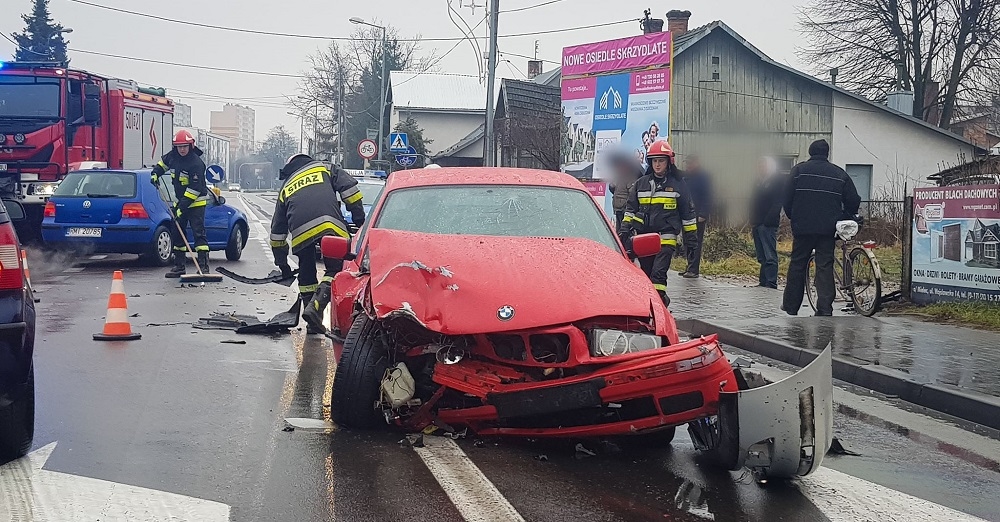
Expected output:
(456, 284)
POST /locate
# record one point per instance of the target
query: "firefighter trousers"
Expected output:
(308, 281)
(656, 267)
(196, 218)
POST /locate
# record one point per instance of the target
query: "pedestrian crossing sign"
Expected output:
(398, 142)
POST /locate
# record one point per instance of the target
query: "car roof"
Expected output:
(481, 176)
(112, 171)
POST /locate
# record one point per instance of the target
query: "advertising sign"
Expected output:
(956, 238)
(614, 94)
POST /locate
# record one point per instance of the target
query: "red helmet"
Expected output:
(183, 137)
(660, 149)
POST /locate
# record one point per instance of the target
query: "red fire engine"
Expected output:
(54, 120)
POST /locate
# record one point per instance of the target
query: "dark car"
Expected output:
(17, 342)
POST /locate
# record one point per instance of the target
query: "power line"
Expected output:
(531, 58)
(337, 38)
(531, 6)
(191, 66)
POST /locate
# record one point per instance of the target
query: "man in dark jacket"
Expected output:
(765, 216)
(626, 171)
(307, 210)
(191, 191)
(818, 195)
(659, 203)
(701, 193)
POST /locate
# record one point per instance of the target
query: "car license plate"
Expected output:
(83, 232)
(3, 167)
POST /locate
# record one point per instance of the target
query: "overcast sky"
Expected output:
(771, 29)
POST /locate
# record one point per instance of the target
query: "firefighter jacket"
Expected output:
(660, 205)
(307, 208)
(188, 177)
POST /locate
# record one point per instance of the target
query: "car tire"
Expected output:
(17, 424)
(359, 375)
(161, 251)
(234, 248)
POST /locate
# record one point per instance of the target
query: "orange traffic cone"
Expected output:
(116, 325)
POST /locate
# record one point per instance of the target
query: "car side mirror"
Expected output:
(92, 111)
(645, 245)
(335, 247)
(222, 200)
(14, 209)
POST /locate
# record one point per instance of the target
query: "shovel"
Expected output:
(199, 277)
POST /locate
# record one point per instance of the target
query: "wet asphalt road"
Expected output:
(183, 412)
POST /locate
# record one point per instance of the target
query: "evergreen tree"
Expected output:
(42, 39)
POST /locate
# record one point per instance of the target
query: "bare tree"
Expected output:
(537, 135)
(884, 45)
(341, 92)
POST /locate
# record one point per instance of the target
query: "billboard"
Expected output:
(956, 238)
(614, 94)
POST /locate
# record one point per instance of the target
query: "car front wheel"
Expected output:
(359, 375)
(234, 248)
(17, 423)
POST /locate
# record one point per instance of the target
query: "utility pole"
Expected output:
(341, 123)
(489, 157)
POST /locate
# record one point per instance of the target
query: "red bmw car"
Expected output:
(501, 300)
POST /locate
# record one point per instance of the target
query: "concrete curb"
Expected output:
(971, 406)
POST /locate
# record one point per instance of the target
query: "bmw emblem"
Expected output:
(505, 313)
(86, 204)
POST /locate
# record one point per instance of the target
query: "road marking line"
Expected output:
(844, 498)
(30, 493)
(74, 270)
(476, 498)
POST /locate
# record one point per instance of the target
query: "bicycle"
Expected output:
(857, 273)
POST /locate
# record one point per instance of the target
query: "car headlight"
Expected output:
(19, 138)
(45, 189)
(606, 343)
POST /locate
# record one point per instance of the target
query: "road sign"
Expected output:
(372, 134)
(367, 149)
(406, 160)
(215, 174)
(398, 142)
(41, 494)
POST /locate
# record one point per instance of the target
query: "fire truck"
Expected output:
(54, 120)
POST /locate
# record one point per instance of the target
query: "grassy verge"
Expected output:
(983, 315)
(729, 253)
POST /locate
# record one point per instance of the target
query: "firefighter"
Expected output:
(307, 210)
(659, 202)
(191, 191)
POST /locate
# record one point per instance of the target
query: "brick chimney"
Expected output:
(677, 22)
(932, 109)
(534, 68)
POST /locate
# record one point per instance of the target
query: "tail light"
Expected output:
(11, 275)
(869, 244)
(50, 210)
(134, 211)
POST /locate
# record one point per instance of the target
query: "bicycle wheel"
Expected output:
(866, 285)
(838, 282)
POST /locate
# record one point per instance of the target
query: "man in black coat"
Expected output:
(765, 216)
(818, 195)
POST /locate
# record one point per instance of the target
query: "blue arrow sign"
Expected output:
(215, 174)
(398, 142)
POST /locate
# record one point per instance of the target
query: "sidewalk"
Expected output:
(927, 353)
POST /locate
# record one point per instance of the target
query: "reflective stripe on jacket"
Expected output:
(307, 208)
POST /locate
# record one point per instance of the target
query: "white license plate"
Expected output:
(83, 232)
(3, 167)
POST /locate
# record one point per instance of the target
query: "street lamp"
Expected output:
(381, 109)
(302, 127)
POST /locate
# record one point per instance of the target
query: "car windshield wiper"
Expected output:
(95, 196)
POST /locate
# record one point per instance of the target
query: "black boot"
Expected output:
(178, 269)
(314, 308)
(203, 261)
(665, 297)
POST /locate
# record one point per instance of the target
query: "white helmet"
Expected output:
(433, 166)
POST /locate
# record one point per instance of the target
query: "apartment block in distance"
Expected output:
(235, 122)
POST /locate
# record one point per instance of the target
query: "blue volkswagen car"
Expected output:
(121, 212)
